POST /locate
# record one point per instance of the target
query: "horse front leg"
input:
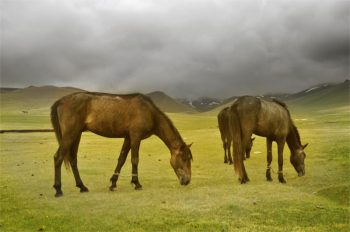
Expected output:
(121, 160)
(135, 162)
(269, 159)
(280, 145)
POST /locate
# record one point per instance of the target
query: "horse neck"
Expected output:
(293, 139)
(168, 133)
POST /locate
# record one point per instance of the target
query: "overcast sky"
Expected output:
(186, 48)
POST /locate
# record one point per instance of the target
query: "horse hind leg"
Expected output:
(74, 164)
(224, 144)
(62, 153)
(229, 142)
(245, 141)
(58, 160)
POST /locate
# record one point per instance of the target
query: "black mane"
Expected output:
(293, 128)
(281, 103)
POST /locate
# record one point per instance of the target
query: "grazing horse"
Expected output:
(133, 117)
(270, 119)
(224, 127)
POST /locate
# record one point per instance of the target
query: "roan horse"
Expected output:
(133, 117)
(270, 119)
(225, 132)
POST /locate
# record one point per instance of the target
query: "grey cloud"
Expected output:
(185, 48)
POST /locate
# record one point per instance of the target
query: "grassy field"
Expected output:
(214, 201)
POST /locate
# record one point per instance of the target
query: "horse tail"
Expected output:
(236, 136)
(57, 128)
(55, 122)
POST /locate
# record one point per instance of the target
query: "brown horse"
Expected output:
(133, 117)
(268, 119)
(224, 127)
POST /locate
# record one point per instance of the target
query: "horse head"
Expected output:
(249, 147)
(297, 159)
(181, 162)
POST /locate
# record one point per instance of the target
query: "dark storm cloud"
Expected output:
(185, 48)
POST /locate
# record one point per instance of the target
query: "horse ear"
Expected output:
(253, 139)
(189, 145)
(304, 146)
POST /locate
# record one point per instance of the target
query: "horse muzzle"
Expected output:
(184, 180)
(183, 177)
(301, 173)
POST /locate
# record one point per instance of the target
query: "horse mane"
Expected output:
(281, 103)
(296, 132)
(293, 128)
(162, 114)
(150, 101)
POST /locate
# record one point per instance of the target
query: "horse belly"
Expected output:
(117, 118)
(106, 126)
(271, 128)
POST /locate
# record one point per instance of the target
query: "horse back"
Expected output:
(273, 120)
(108, 115)
(247, 109)
(261, 117)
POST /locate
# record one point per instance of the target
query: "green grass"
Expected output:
(214, 201)
(324, 98)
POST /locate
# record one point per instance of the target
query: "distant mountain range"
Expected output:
(327, 94)
(202, 104)
(322, 95)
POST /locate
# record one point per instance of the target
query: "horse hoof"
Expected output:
(58, 194)
(83, 189)
(282, 181)
(269, 179)
(138, 187)
(112, 188)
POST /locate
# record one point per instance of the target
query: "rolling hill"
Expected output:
(322, 96)
(168, 104)
(32, 97)
(40, 99)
